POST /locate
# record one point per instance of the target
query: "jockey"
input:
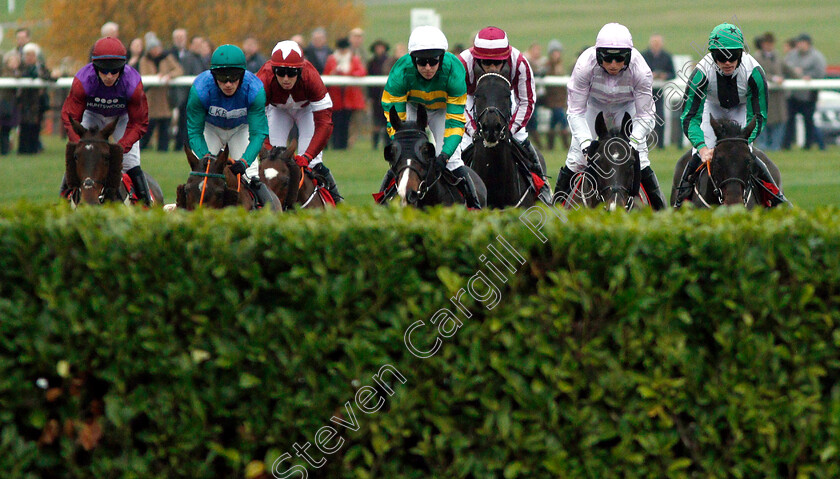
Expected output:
(296, 95)
(226, 106)
(431, 76)
(104, 90)
(491, 53)
(727, 83)
(613, 78)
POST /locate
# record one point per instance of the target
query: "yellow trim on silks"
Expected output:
(391, 131)
(434, 106)
(457, 117)
(461, 100)
(427, 95)
(387, 97)
(453, 131)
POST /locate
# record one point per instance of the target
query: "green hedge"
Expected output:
(203, 345)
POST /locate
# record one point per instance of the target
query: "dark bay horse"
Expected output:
(496, 158)
(419, 182)
(729, 179)
(293, 184)
(211, 184)
(613, 176)
(93, 169)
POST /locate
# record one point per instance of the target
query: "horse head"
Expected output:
(280, 173)
(411, 156)
(492, 109)
(207, 185)
(93, 165)
(732, 161)
(613, 174)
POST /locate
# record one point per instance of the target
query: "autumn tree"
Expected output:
(70, 27)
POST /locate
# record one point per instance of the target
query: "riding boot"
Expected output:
(536, 167)
(763, 174)
(467, 187)
(563, 188)
(689, 175)
(261, 193)
(329, 181)
(141, 187)
(651, 184)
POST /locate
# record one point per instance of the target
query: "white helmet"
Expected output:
(427, 38)
(614, 35)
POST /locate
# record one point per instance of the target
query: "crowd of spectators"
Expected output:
(22, 111)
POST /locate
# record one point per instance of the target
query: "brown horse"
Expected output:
(211, 184)
(93, 169)
(291, 183)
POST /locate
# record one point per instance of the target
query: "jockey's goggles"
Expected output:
(491, 63)
(228, 75)
(617, 55)
(290, 72)
(109, 66)
(421, 62)
(724, 56)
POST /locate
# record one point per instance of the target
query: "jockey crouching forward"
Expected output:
(491, 53)
(431, 76)
(613, 78)
(105, 90)
(296, 95)
(226, 106)
(727, 83)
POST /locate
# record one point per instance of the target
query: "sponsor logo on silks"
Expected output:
(223, 113)
(106, 103)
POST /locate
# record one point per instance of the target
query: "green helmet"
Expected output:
(228, 56)
(726, 36)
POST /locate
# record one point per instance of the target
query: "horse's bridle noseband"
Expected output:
(427, 181)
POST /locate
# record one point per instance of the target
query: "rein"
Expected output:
(492, 109)
(717, 187)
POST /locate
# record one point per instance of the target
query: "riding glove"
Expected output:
(238, 167)
(303, 160)
(441, 160)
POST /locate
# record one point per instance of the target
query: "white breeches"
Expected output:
(132, 157)
(612, 113)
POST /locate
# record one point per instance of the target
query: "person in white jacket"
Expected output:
(613, 78)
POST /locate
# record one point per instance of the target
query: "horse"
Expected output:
(613, 176)
(211, 184)
(419, 181)
(728, 179)
(496, 157)
(93, 169)
(293, 184)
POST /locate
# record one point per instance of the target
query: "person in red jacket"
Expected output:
(296, 95)
(346, 99)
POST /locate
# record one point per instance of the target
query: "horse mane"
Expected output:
(729, 128)
(114, 166)
(294, 180)
(72, 177)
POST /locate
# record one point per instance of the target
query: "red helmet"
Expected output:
(491, 43)
(108, 48)
(287, 54)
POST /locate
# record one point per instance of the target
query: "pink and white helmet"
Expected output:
(614, 35)
(491, 43)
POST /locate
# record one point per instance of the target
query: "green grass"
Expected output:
(809, 178)
(685, 24)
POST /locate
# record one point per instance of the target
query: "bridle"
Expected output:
(206, 175)
(494, 111)
(611, 190)
(429, 177)
(717, 188)
(87, 183)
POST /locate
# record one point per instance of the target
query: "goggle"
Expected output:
(724, 56)
(613, 57)
(492, 63)
(422, 62)
(109, 67)
(228, 76)
(290, 72)
(109, 71)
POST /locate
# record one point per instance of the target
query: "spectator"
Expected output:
(33, 101)
(9, 109)
(776, 70)
(538, 64)
(158, 62)
(317, 51)
(253, 58)
(400, 50)
(22, 37)
(179, 44)
(110, 29)
(192, 64)
(807, 63)
(135, 53)
(555, 96)
(298, 38)
(662, 66)
(380, 64)
(346, 99)
(357, 40)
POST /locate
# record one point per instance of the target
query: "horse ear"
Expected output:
(626, 125)
(749, 129)
(70, 175)
(715, 125)
(109, 129)
(191, 158)
(263, 154)
(292, 146)
(422, 117)
(224, 154)
(77, 127)
(394, 118)
(600, 125)
(180, 197)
